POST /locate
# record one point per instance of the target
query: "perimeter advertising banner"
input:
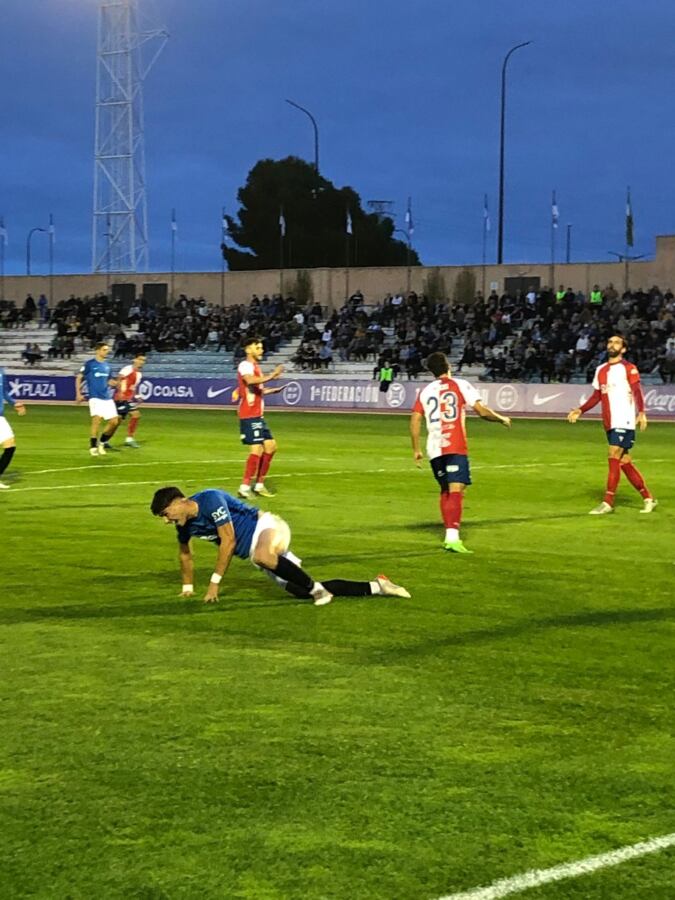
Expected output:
(552, 400)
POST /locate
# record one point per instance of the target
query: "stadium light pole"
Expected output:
(500, 231)
(316, 131)
(28, 241)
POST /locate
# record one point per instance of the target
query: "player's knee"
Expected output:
(270, 446)
(265, 557)
(10, 442)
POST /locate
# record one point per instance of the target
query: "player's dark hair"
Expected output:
(251, 339)
(437, 364)
(163, 498)
(100, 344)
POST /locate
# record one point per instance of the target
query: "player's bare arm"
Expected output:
(20, 408)
(641, 420)
(415, 431)
(225, 553)
(263, 379)
(79, 398)
(490, 415)
(186, 569)
(274, 390)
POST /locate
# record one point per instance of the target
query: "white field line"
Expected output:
(339, 472)
(537, 877)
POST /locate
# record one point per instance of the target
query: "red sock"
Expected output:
(133, 425)
(250, 468)
(636, 479)
(265, 463)
(451, 509)
(613, 479)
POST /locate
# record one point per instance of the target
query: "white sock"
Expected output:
(245, 488)
(258, 485)
(293, 558)
(375, 588)
(451, 535)
(318, 587)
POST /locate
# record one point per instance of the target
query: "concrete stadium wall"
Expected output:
(331, 286)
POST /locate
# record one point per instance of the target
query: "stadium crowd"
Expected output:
(538, 335)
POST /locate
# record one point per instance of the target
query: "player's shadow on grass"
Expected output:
(138, 610)
(594, 619)
(469, 524)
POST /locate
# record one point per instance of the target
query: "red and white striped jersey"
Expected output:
(443, 403)
(615, 383)
(251, 403)
(132, 379)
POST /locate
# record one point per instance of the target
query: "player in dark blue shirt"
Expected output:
(249, 533)
(96, 374)
(7, 439)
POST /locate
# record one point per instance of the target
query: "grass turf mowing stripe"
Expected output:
(537, 877)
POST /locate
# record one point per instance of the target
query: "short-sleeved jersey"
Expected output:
(133, 379)
(218, 508)
(251, 403)
(615, 382)
(96, 375)
(443, 404)
(5, 396)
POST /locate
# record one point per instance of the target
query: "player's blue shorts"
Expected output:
(254, 431)
(453, 467)
(621, 437)
(124, 407)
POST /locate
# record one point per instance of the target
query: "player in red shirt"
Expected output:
(128, 383)
(616, 385)
(442, 404)
(252, 426)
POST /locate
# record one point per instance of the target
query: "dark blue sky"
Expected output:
(407, 99)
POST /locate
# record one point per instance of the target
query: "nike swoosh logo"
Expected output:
(539, 401)
(211, 393)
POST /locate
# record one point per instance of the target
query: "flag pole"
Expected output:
(282, 233)
(51, 261)
(348, 232)
(629, 237)
(485, 230)
(222, 257)
(553, 230)
(3, 240)
(173, 255)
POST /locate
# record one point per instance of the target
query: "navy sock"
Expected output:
(6, 458)
(288, 571)
(93, 442)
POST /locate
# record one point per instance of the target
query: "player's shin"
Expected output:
(634, 475)
(264, 467)
(250, 469)
(6, 458)
(451, 511)
(613, 478)
(293, 574)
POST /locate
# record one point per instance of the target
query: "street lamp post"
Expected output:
(28, 240)
(406, 234)
(316, 131)
(500, 238)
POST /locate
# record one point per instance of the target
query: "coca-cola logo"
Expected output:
(664, 403)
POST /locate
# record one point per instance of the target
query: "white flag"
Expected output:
(174, 224)
(555, 215)
(3, 232)
(282, 223)
(349, 223)
(51, 231)
(486, 214)
(410, 228)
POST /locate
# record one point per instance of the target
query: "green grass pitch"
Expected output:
(514, 714)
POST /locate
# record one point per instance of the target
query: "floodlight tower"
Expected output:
(127, 49)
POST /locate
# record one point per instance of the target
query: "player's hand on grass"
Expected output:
(20, 409)
(211, 596)
(187, 592)
(641, 421)
(506, 421)
(573, 415)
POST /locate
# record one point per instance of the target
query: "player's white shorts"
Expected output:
(281, 529)
(6, 433)
(106, 409)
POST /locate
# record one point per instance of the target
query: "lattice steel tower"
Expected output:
(127, 50)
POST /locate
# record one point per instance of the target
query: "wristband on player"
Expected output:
(216, 578)
(188, 588)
